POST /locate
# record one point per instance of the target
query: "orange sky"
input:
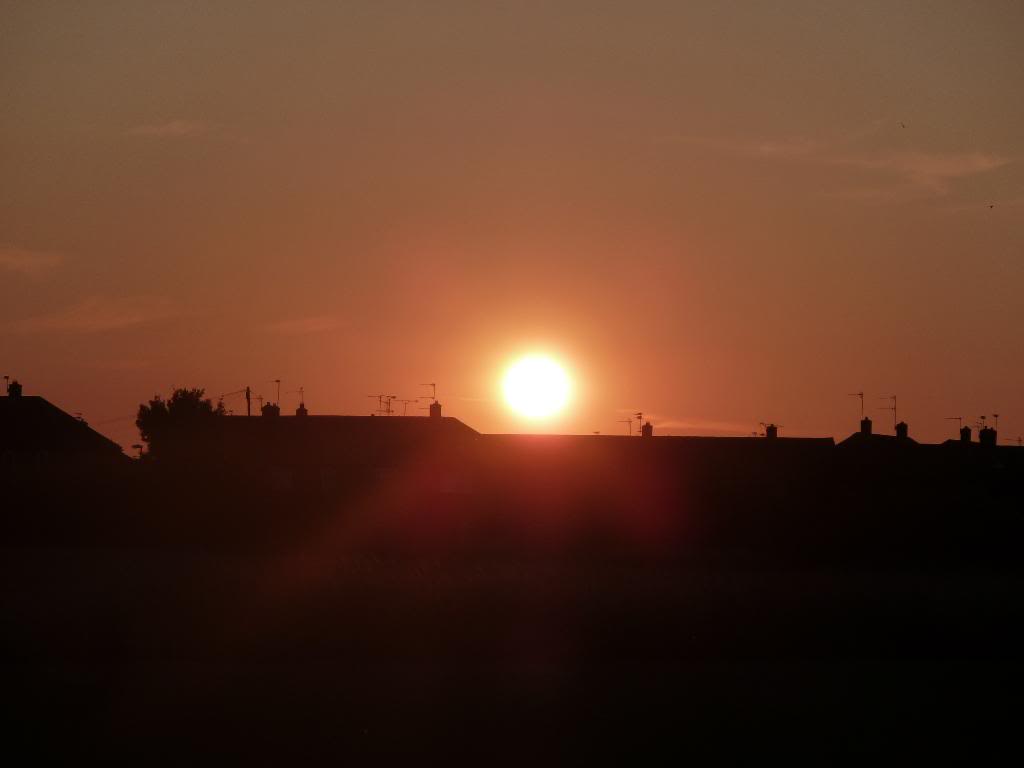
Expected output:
(719, 215)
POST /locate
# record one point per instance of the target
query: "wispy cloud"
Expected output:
(995, 206)
(172, 129)
(27, 262)
(122, 364)
(96, 314)
(900, 173)
(928, 173)
(303, 325)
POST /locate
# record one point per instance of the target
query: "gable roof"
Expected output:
(30, 423)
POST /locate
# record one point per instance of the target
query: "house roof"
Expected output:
(31, 423)
(859, 439)
(347, 426)
(288, 438)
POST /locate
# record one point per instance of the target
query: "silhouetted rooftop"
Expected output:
(31, 423)
(859, 439)
(354, 426)
(292, 439)
(666, 442)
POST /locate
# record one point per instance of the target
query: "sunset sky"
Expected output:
(717, 213)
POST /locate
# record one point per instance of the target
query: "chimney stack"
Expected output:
(435, 410)
(647, 429)
(902, 431)
(965, 434)
(865, 426)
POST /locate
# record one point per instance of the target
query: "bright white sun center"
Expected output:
(536, 387)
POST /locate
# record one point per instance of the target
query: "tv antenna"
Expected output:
(629, 422)
(861, 396)
(959, 421)
(278, 382)
(890, 407)
(380, 403)
(248, 398)
(433, 390)
(639, 416)
(405, 405)
(996, 417)
(301, 392)
(384, 404)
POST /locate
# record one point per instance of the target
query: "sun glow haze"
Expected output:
(536, 387)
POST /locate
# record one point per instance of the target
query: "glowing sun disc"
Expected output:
(536, 387)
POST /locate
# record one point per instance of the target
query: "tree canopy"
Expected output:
(168, 426)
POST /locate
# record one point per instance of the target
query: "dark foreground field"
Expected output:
(293, 654)
(733, 611)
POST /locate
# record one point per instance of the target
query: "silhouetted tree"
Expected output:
(169, 426)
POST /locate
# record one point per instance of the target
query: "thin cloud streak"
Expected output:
(172, 129)
(305, 325)
(704, 426)
(994, 207)
(122, 364)
(28, 262)
(690, 424)
(929, 173)
(97, 314)
(910, 173)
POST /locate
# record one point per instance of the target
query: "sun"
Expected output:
(536, 387)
